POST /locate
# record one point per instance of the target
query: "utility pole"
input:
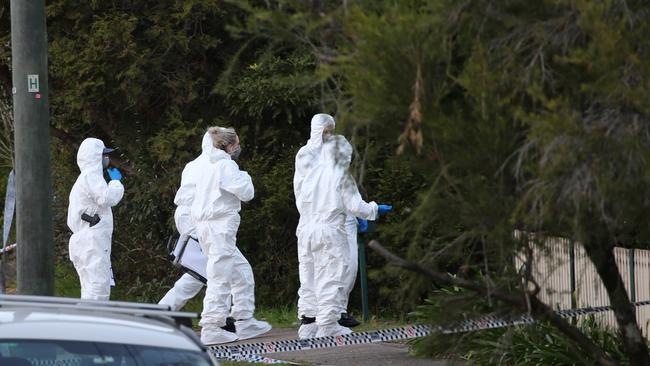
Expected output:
(34, 233)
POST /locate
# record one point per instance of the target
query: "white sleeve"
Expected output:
(305, 159)
(237, 182)
(352, 201)
(104, 194)
(183, 219)
(185, 194)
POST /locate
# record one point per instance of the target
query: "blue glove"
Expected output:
(382, 209)
(114, 173)
(362, 225)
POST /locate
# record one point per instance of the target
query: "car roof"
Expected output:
(91, 322)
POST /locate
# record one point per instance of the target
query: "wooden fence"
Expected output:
(562, 268)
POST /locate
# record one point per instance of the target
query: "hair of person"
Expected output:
(222, 136)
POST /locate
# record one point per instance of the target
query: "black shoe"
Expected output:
(348, 321)
(230, 325)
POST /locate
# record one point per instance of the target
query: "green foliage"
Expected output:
(272, 251)
(536, 344)
(539, 344)
(148, 77)
(473, 118)
(453, 195)
(521, 115)
(279, 85)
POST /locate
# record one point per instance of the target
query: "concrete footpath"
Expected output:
(388, 353)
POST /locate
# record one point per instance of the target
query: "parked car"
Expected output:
(55, 331)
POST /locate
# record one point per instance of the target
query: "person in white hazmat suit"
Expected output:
(187, 287)
(326, 195)
(308, 157)
(91, 220)
(215, 210)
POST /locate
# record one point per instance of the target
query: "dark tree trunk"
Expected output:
(602, 256)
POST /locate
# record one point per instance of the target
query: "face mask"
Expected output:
(105, 161)
(235, 153)
(327, 136)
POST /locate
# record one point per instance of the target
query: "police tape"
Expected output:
(8, 248)
(387, 335)
(57, 362)
(257, 359)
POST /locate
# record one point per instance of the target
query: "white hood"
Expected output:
(206, 145)
(319, 184)
(89, 156)
(318, 124)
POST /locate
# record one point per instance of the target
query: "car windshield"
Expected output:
(73, 353)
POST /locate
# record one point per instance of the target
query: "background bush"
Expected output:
(149, 77)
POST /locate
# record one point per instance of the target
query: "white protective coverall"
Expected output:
(306, 159)
(187, 287)
(325, 196)
(215, 210)
(90, 247)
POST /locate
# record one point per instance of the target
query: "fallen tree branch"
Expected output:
(538, 309)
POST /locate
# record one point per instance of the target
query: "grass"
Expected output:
(286, 317)
(66, 284)
(66, 281)
(281, 317)
(380, 322)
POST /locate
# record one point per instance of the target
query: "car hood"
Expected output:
(90, 326)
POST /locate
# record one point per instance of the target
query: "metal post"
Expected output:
(363, 279)
(34, 234)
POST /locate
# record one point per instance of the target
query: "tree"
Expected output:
(474, 118)
(149, 77)
(529, 116)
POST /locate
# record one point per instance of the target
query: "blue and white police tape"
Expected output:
(384, 335)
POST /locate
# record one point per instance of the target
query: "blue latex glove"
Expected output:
(362, 225)
(114, 173)
(382, 209)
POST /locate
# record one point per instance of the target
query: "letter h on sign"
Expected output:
(32, 83)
